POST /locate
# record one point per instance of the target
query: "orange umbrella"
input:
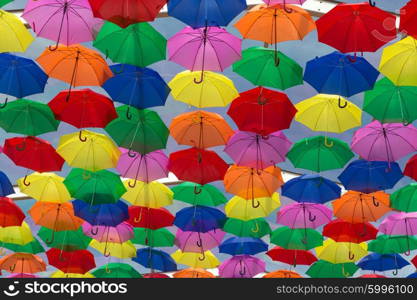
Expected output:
(282, 274)
(200, 129)
(22, 263)
(357, 207)
(193, 273)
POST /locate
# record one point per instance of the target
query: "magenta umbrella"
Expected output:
(241, 266)
(143, 167)
(400, 224)
(118, 234)
(190, 241)
(253, 150)
(204, 49)
(304, 215)
(385, 142)
(63, 21)
(22, 275)
(273, 2)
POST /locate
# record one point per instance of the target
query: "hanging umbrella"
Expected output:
(6, 187)
(116, 270)
(282, 274)
(296, 239)
(391, 244)
(304, 215)
(60, 274)
(22, 263)
(193, 273)
(199, 219)
(153, 194)
(410, 169)
(33, 247)
(156, 275)
(118, 234)
(119, 250)
(10, 213)
(320, 153)
(5, 2)
(405, 198)
(372, 276)
(256, 228)
(243, 245)
(311, 189)
(153, 238)
(151, 218)
(194, 260)
(67, 240)
(382, 262)
(341, 252)
(328, 113)
(325, 269)
(342, 231)
(292, 257)
(241, 266)
(78, 261)
(243, 209)
(197, 194)
(155, 260)
(101, 215)
(408, 19)
(15, 36)
(198, 242)
(20, 235)
(399, 224)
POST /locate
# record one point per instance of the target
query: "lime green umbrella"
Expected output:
(33, 247)
(140, 130)
(256, 228)
(27, 117)
(296, 238)
(405, 198)
(94, 187)
(389, 244)
(139, 44)
(153, 238)
(68, 239)
(320, 153)
(259, 66)
(389, 103)
(4, 2)
(196, 194)
(325, 269)
(116, 270)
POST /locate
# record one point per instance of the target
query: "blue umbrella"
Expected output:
(136, 86)
(6, 187)
(382, 262)
(243, 245)
(340, 74)
(155, 259)
(199, 219)
(102, 214)
(200, 13)
(370, 176)
(20, 77)
(311, 188)
(412, 275)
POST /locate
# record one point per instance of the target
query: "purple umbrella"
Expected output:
(190, 241)
(148, 167)
(241, 266)
(400, 224)
(385, 142)
(117, 234)
(304, 215)
(64, 21)
(253, 150)
(273, 2)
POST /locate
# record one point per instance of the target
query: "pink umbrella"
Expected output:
(304, 215)
(21, 275)
(253, 150)
(400, 224)
(241, 266)
(385, 142)
(147, 167)
(189, 241)
(118, 234)
(273, 2)
(64, 21)
(207, 48)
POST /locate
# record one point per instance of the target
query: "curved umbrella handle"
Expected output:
(351, 255)
(242, 271)
(94, 231)
(5, 103)
(311, 218)
(138, 219)
(81, 138)
(395, 273)
(327, 144)
(375, 202)
(51, 240)
(53, 48)
(304, 240)
(21, 147)
(202, 257)
(372, 3)
(343, 271)
(354, 59)
(121, 70)
(261, 101)
(287, 9)
(12, 268)
(128, 114)
(25, 182)
(407, 253)
(406, 123)
(86, 176)
(199, 81)
(277, 60)
(108, 271)
(339, 103)
(256, 228)
(131, 153)
(106, 254)
(197, 190)
(255, 203)
(131, 185)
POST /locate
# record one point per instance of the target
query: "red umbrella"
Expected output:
(411, 167)
(408, 19)
(197, 165)
(342, 231)
(126, 12)
(291, 257)
(372, 276)
(256, 110)
(77, 261)
(414, 261)
(83, 109)
(152, 218)
(356, 28)
(10, 213)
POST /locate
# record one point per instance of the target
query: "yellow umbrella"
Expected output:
(399, 62)
(205, 260)
(14, 35)
(329, 113)
(20, 235)
(93, 151)
(153, 194)
(60, 274)
(123, 250)
(341, 252)
(44, 187)
(242, 209)
(214, 90)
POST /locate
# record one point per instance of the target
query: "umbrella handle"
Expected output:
(261, 101)
(21, 147)
(94, 232)
(395, 273)
(407, 253)
(202, 257)
(50, 241)
(276, 59)
(131, 153)
(197, 191)
(108, 271)
(12, 268)
(376, 203)
(344, 273)
(256, 228)
(339, 103)
(81, 138)
(199, 242)
(354, 59)
(199, 81)
(5, 103)
(311, 218)
(365, 230)
(255, 204)
(106, 254)
(25, 182)
(128, 114)
(304, 240)
(351, 255)
(131, 185)
(137, 220)
(287, 9)
(242, 270)
(327, 144)
(372, 3)
(121, 70)
(86, 176)
(53, 48)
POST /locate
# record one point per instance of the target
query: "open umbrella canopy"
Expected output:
(20, 235)
(282, 274)
(196, 194)
(155, 259)
(15, 36)
(410, 169)
(22, 263)
(205, 260)
(118, 250)
(151, 218)
(153, 194)
(343, 231)
(193, 273)
(405, 198)
(153, 238)
(10, 213)
(296, 239)
(112, 234)
(399, 224)
(390, 244)
(243, 209)
(382, 262)
(198, 242)
(341, 252)
(304, 215)
(325, 269)
(241, 266)
(116, 270)
(60, 274)
(77, 261)
(101, 215)
(33, 247)
(243, 245)
(292, 257)
(199, 219)
(67, 240)
(6, 187)
(408, 18)
(256, 228)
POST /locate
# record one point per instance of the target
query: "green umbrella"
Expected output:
(325, 269)
(68, 239)
(94, 187)
(196, 194)
(139, 44)
(33, 247)
(27, 117)
(296, 238)
(256, 228)
(141, 130)
(153, 238)
(389, 103)
(258, 66)
(405, 198)
(390, 244)
(4, 2)
(320, 153)
(116, 270)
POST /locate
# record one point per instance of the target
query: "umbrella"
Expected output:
(266, 67)
(341, 252)
(197, 194)
(382, 262)
(296, 239)
(199, 219)
(194, 260)
(304, 215)
(153, 238)
(200, 129)
(156, 275)
(22, 263)
(390, 103)
(325, 269)
(408, 19)
(138, 44)
(399, 224)
(319, 154)
(197, 165)
(116, 270)
(15, 36)
(193, 273)
(10, 213)
(101, 215)
(370, 176)
(340, 74)
(5, 2)
(60, 274)
(155, 259)
(241, 266)
(119, 250)
(136, 86)
(372, 276)
(256, 110)
(292, 257)
(385, 142)
(311, 188)
(243, 245)
(405, 198)
(67, 240)
(391, 244)
(328, 113)
(20, 235)
(77, 261)
(204, 12)
(151, 218)
(410, 169)
(254, 150)
(117, 234)
(359, 27)
(198, 242)
(282, 274)
(243, 209)
(6, 187)
(33, 247)
(342, 231)
(412, 275)
(203, 89)
(256, 228)
(153, 194)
